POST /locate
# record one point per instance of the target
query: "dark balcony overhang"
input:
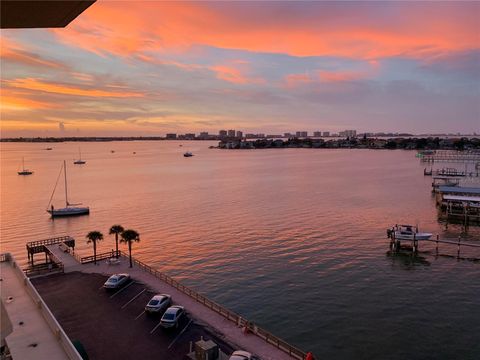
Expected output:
(17, 14)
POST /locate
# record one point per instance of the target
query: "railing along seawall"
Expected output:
(57, 330)
(219, 309)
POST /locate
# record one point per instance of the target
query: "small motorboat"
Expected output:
(188, 154)
(407, 232)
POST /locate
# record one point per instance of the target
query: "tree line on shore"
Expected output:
(431, 143)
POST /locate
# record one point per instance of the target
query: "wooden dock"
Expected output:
(452, 156)
(396, 244)
(40, 246)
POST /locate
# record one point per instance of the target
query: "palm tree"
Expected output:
(93, 237)
(129, 236)
(116, 229)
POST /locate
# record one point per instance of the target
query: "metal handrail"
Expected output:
(219, 309)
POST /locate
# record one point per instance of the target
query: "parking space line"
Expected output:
(156, 327)
(178, 336)
(143, 312)
(136, 296)
(119, 291)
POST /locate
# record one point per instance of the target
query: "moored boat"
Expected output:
(188, 154)
(24, 171)
(407, 232)
(69, 209)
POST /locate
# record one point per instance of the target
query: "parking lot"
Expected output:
(113, 324)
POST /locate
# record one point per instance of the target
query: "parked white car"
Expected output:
(172, 316)
(158, 304)
(116, 281)
(242, 355)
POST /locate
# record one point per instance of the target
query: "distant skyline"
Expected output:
(150, 68)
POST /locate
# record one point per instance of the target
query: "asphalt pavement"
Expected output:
(112, 324)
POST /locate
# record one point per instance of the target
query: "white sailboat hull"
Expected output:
(69, 211)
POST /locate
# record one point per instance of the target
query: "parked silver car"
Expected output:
(158, 304)
(116, 281)
(172, 316)
(242, 355)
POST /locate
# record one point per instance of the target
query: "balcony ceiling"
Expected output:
(40, 14)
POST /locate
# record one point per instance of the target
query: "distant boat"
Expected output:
(79, 161)
(24, 171)
(49, 148)
(112, 151)
(69, 209)
(408, 232)
(188, 154)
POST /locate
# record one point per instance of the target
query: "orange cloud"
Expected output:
(35, 84)
(127, 28)
(16, 102)
(234, 75)
(17, 53)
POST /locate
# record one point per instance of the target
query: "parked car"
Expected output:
(172, 316)
(116, 281)
(242, 355)
(158, 304)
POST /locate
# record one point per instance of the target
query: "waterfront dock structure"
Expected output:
(452, 156)
(397, 244)
(231, 325)
(459, 204)
(29, 330)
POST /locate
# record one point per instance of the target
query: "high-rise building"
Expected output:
(190, 136)
(302, 134)
(317, 134)
(171, 136)
(222, 133)
(287, 135)
(231, 133)
(239, 134)
(203, 135)
(326, 133)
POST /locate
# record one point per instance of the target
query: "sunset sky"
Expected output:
(148, 68)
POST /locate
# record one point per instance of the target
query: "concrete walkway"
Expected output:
(31, 338)
(230, 331)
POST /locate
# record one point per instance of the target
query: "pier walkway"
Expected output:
(224, 322)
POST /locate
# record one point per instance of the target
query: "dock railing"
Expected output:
(46, 242)
(57, 330)
(219, 309)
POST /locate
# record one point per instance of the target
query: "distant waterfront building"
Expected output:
(273, 136)
(222, 133)
(203, 135)
(250, 136)
(239, 134)
(190, 136)
(326, 133)
(261, 136)
(231, 133)
(171, 136)
(288, 135)
(302, 134)
(317, 134)
(348, 133)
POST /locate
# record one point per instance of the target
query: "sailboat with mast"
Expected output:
(24, 171)
(79, 161)
(69, 209)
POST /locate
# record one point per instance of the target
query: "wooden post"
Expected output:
(436, 246)
(458, 249)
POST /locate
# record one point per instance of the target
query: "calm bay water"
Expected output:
(293, 239)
